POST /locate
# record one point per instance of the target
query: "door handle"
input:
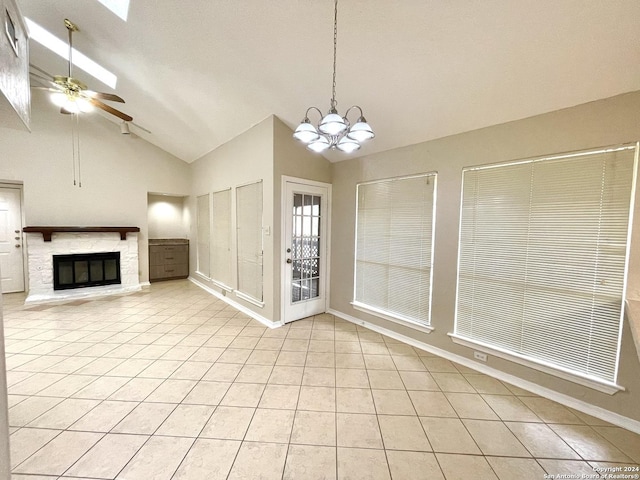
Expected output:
(288, 260)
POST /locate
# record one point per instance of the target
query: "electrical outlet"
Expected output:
(480, 356)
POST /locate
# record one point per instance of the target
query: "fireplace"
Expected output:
(86, 270)
(45, 243)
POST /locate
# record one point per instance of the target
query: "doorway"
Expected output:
(11, 256)
(305, 219)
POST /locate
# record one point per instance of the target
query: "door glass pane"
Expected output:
(305, 247)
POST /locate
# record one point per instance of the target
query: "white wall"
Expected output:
(167, 217)
(117, 173)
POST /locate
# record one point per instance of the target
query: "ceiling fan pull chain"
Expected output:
(73, 150)
(78, 149)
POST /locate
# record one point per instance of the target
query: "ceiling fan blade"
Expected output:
(48, 89)
(45, 81)
(62, 110)
(104, 96)
(110, 110)
(41, 71)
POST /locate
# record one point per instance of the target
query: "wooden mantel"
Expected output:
(48, 231)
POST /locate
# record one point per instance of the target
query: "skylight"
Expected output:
(118, 7)
(53, 43)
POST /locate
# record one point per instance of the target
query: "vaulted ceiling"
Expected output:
(197, 73)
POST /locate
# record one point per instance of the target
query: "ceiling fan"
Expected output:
(71, 94)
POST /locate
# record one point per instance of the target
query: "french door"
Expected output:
(305, 248)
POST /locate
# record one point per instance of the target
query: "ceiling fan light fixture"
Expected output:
(71, 106)
(58, 99)
(124, 128)
(84, 105)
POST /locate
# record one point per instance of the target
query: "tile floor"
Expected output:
(171, 383)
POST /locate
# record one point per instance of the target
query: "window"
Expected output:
(543, 248)
(249, 241)
(203, 235)
(221, 238)
(394, 236)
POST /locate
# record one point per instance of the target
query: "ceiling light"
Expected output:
(124, 128)
(334, 131)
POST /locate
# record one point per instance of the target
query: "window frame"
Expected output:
(395, 317)
(600, 384)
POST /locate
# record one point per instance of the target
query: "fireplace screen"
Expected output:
(86, 270)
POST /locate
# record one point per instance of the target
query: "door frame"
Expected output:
(283, 235)
(25, 264)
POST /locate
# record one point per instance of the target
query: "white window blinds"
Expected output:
(543, 247)
(221, 237)
(203, 234)
(394, 234)
(249, 239)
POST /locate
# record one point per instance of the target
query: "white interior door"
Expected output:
(11, 266)
(306, 240)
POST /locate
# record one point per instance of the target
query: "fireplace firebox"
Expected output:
(86, 270)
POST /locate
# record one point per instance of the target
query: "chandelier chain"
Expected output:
(335, 51)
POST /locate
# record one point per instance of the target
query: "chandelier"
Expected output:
(334, 131)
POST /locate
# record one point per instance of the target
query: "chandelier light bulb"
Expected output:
(360, 131)
(332, 124)
(319, 145)
(306, 132)
(347, 145)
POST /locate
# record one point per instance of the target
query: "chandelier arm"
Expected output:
(352, 107)
(306, 115)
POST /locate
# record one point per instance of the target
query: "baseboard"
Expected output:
(566, 400)
(247, 311)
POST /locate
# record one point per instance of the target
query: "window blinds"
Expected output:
(203, 234)
(249, 239)
(221, 237)
(394, 233)
(543, 247)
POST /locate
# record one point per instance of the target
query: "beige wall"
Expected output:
(245, 159)
(117, 172)
(167, 217)
(602, 123)
(291, 159)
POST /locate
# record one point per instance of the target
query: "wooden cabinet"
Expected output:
(168, 259)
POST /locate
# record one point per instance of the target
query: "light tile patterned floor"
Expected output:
(171, 383)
